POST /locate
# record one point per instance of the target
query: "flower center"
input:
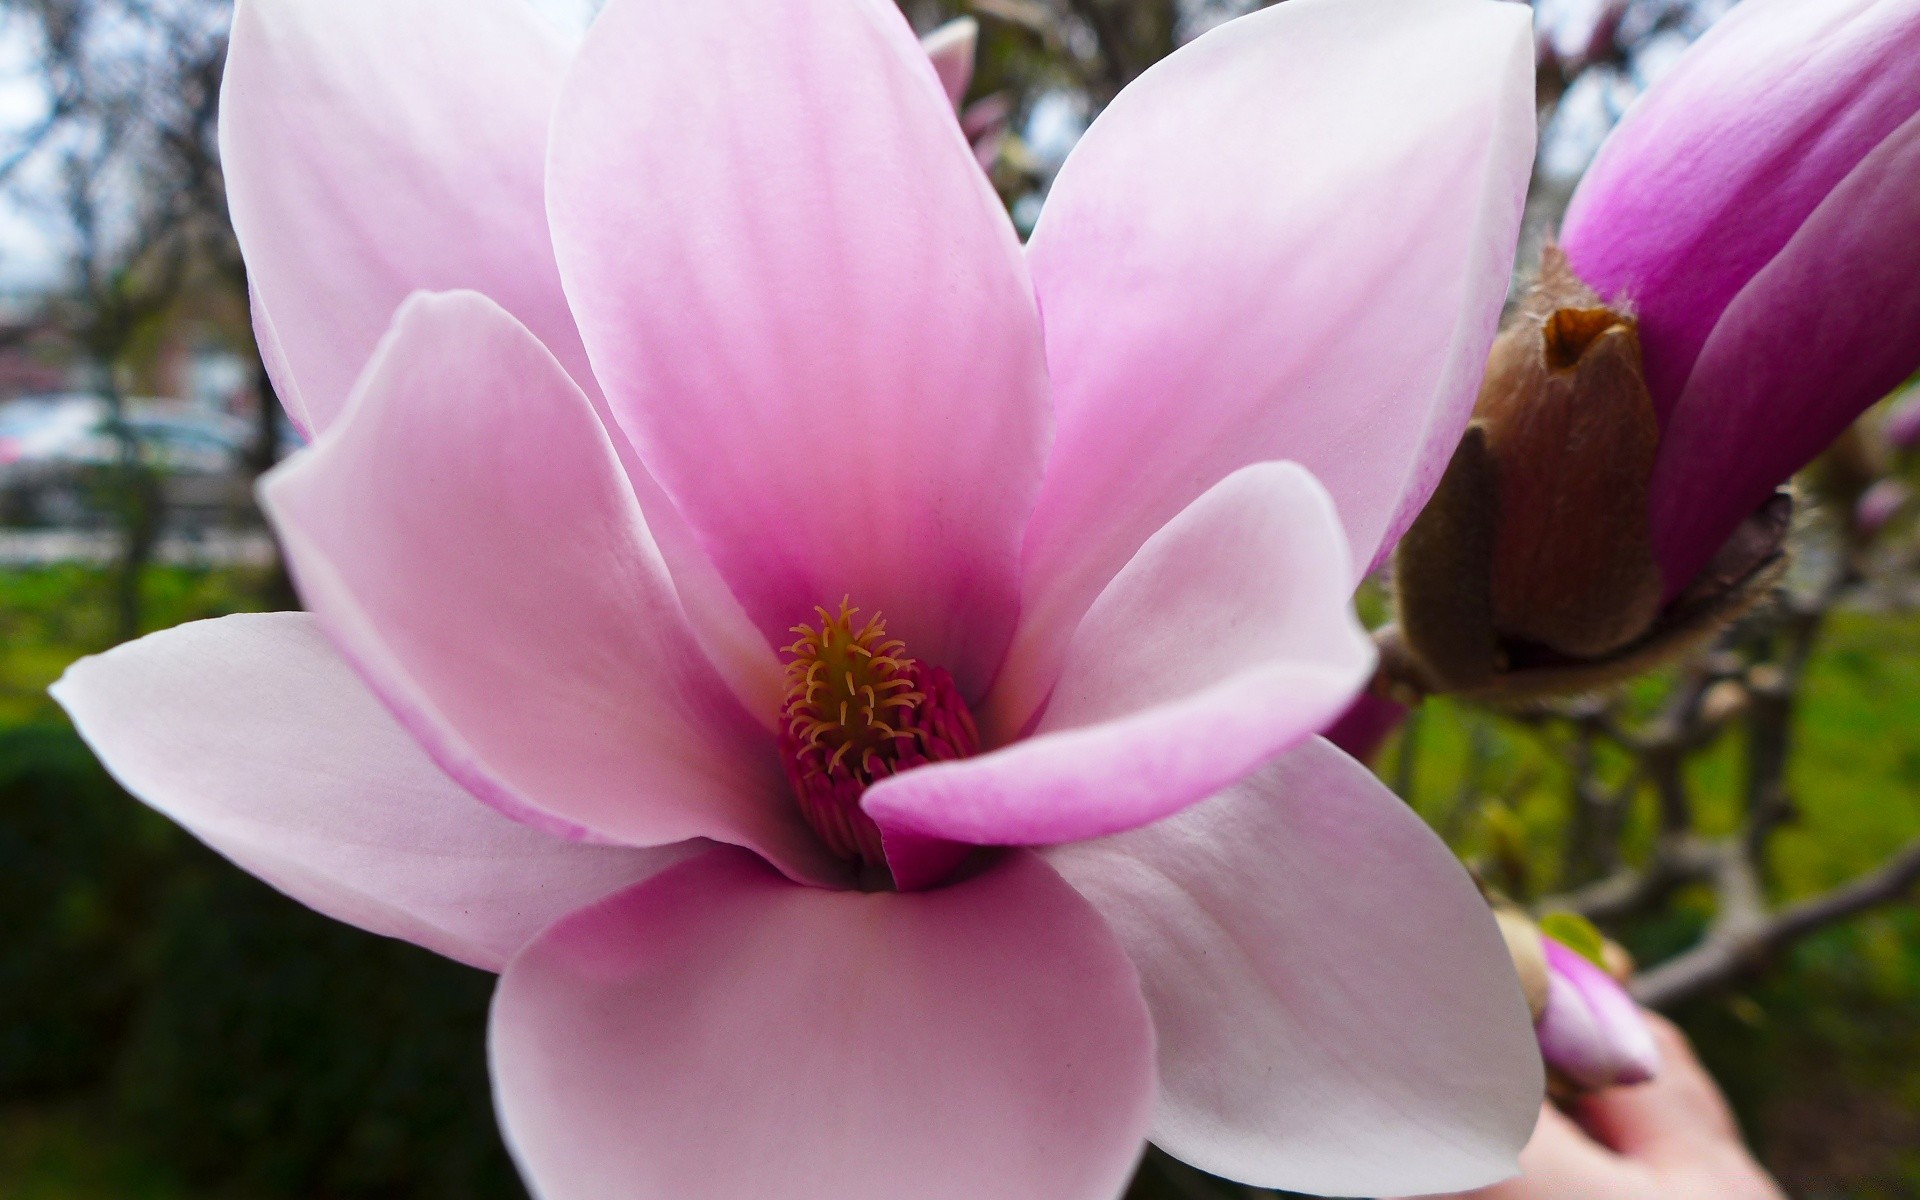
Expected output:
(858, 709)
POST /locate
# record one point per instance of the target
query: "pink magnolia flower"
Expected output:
(1590, 1030)
(713, 321)
(1757, 209)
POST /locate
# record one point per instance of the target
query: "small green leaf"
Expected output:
(1577, 934)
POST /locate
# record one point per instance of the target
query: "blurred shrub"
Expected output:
(230, 1036)
(79, 865)
(275, 1050)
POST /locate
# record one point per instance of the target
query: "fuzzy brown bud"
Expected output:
(1572, 433)
(1531, 571)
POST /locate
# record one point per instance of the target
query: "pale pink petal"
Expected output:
(1289, 240)
(808, 309)
(720, 1032)
(1230, 637)
(466, 536)
(951, 49)
(1716, 168)
(252, 733)
(374, 148)
(1825, 329)
(274, 359)
(1336, 1011)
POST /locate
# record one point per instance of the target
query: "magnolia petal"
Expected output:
(274, 358)
(1289, 240)
(721, 1032)
(374, 148)
(252, 733)
(951, 49)
(1366, 726)
(1335, 1008)
(805, 268)
(1717, 167)
(466, 536)
(1821, 333)
(1229, 637)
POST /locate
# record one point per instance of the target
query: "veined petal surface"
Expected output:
(1714, 171)
(1335, 1008)
(1827, 328)
(809, 310)
(1290, 240)
(721, 1033)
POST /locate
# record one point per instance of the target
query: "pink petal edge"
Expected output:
(253, 734)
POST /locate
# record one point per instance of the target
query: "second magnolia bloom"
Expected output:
(1739, 280)
(1758, 212)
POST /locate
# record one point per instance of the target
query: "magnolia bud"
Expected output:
(1572, 435)
(1531, 571)
(1591, 1032)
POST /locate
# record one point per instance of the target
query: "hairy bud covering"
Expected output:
(1532, 570)
(1572, 435)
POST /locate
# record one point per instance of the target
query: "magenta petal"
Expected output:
(1366, 726)
(1718, 166)
(1591, 1030)
(917, 862)
(1824, 330)
(467, 537)
(719, 1032)
(252, 733)
(1336, 1011)
(809, 311)
(1230, 637)
(1289, 240)
(374, 148)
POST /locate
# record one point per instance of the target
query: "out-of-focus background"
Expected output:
(169, 1028)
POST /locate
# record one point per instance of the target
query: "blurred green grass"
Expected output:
(170, 1029)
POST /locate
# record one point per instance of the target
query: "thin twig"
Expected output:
(1735, 948)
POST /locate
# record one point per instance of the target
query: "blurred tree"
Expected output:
(123, 169)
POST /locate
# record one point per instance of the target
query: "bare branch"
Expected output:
(1738, 946)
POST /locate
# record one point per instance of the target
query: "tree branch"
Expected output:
(1744, 939)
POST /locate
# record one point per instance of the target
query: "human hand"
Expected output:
(1671, 1139)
